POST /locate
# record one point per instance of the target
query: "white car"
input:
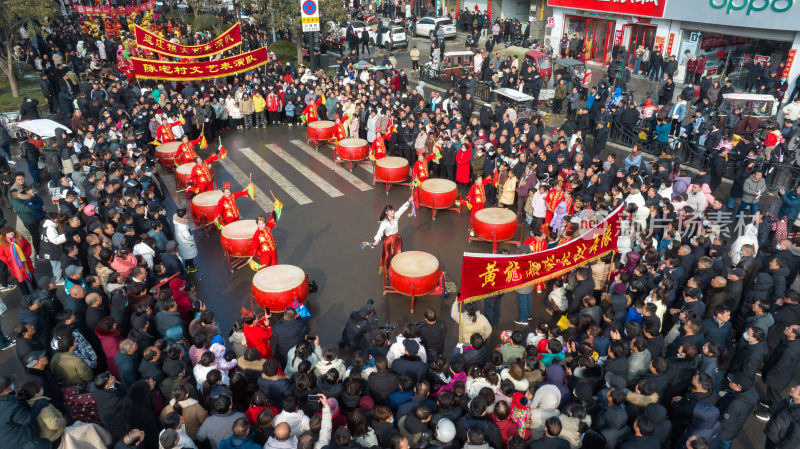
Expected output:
(341, 28)
(388, 36)
(426, 25)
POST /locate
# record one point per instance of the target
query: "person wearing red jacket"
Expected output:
(15, 252)
(201, 179)
(274, 107)
(186, 151)
(227, 211)
(257, 333)
(264, 243)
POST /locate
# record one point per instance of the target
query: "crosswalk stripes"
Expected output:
(275, 176)
(337, 168)
(261, 198)
(305, 171)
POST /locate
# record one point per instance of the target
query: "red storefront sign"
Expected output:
(647, 8)
(789, 62)
(617, 37)
(671, 41)
(721, 41)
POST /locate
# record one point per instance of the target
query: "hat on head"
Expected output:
(583, 391)
(334, 406)
(226, 185)
(172, 245)
(445, 430)
(73, 270)
(619, 289)
(366, 403)
(411, 346)
(89, 209)
(366, 310)
(615, 381)
(33, 358)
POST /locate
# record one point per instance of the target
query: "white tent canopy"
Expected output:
(42, 127)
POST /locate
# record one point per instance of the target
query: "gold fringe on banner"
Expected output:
(538, 280)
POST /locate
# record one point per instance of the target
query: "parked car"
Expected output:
(389, 36)
(340, 29)
(427, 25)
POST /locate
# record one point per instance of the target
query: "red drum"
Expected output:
(166, 153)
(353, 149)
(438, 193)
(495, 224)
(204, 206)
(276, 287)
(391, 169)
(237, 238)
(321, 130)
(183, 174)
(414, 273)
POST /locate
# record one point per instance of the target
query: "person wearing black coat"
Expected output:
(486, 116)
(287, 333)
(137, 411)
(782, 364)
(781, 430)
(110, 398)
(786, 314)
(750, 354)
(410, 364)
(478, 418)
(433, 333)
(382, 382)
(735, 407)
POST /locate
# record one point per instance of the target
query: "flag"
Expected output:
(203, 143)
(251, 191)
(393, 129)
(255, 266)
(277, 208)
(222, 152)
(155, 142)
(218, 225)
(495, 178)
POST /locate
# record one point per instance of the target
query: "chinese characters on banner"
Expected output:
(187, 71)
(647, 8)
(484, 275)
(109, 11)
(229, 39)
(789, 62)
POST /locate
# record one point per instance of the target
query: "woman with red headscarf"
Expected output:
(15, 252)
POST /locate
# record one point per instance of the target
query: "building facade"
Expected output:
(728, 33)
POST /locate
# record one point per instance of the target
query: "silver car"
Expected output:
(427, 25)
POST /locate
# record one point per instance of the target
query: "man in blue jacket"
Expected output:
(18, 420)
(791, 204)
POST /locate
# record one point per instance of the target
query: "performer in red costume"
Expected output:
(164, 133)
(537, 243)
(227, 211)
(310, 111)
(201, 179)
(476, 199)
(257, 333)
(378, 148)
(338, 132)
(420, 172)
(186, 151)
(551, 200)
(264, 243)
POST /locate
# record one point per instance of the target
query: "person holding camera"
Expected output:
(358, 324)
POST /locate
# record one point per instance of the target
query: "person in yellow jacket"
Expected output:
(50, 420)
(259, 105)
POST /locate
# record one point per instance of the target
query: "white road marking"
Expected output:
(261, 198)
(337, 168)
(305, 171)
(274, 175)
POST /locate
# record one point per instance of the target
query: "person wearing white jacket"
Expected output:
(292, 415)
(183, 236)
(52, 242)
(145, 249)
(396, 350)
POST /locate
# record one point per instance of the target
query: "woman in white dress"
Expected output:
(388, 232)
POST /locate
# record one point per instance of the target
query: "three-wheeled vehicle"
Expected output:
(571, 69)
(520, 102)
(542, 62)
(453, 65)
(756, 108)
(381, 72)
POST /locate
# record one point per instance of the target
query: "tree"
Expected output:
(286, 14)
(16, 15)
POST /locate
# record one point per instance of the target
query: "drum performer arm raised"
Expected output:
(387, 227)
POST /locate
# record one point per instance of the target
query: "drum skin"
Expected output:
(237, 238)
(495, 223)
(352, 149)
(414, 273)
(275, 288)
(183, 174)
(438, 193)
(204, 205)
(166, 152)
(391, 169)
(321, 130)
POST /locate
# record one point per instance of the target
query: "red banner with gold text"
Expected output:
(151, 41)
(484, 275)
(110, 11)
(188, 71)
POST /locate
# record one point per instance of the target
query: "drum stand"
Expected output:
(350, 163)
(234, 262)
(203, 223)
(388, 183)
(318, 141)
(511, 241)
(434, 208)
(387, 288)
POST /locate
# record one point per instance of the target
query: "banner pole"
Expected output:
(611, 267)
(460, 304)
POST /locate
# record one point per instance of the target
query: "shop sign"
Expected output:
(617, 37)
(753, 6)
(762, 59)
(671, 41)
(712, 71)
(660, 40)
(551, 22)
(789, 62)
(767, 14)
(721, 41)
(647, 8)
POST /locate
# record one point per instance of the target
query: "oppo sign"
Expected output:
(752, 5)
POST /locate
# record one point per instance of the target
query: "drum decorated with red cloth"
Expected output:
(237, 238)
(352, 149)
(495, 223)
(204, 205)
(438, 193)
(276, 287)
(391, 169)
(414, 273)
(166, 153)
(183, 174)
(321, 130)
